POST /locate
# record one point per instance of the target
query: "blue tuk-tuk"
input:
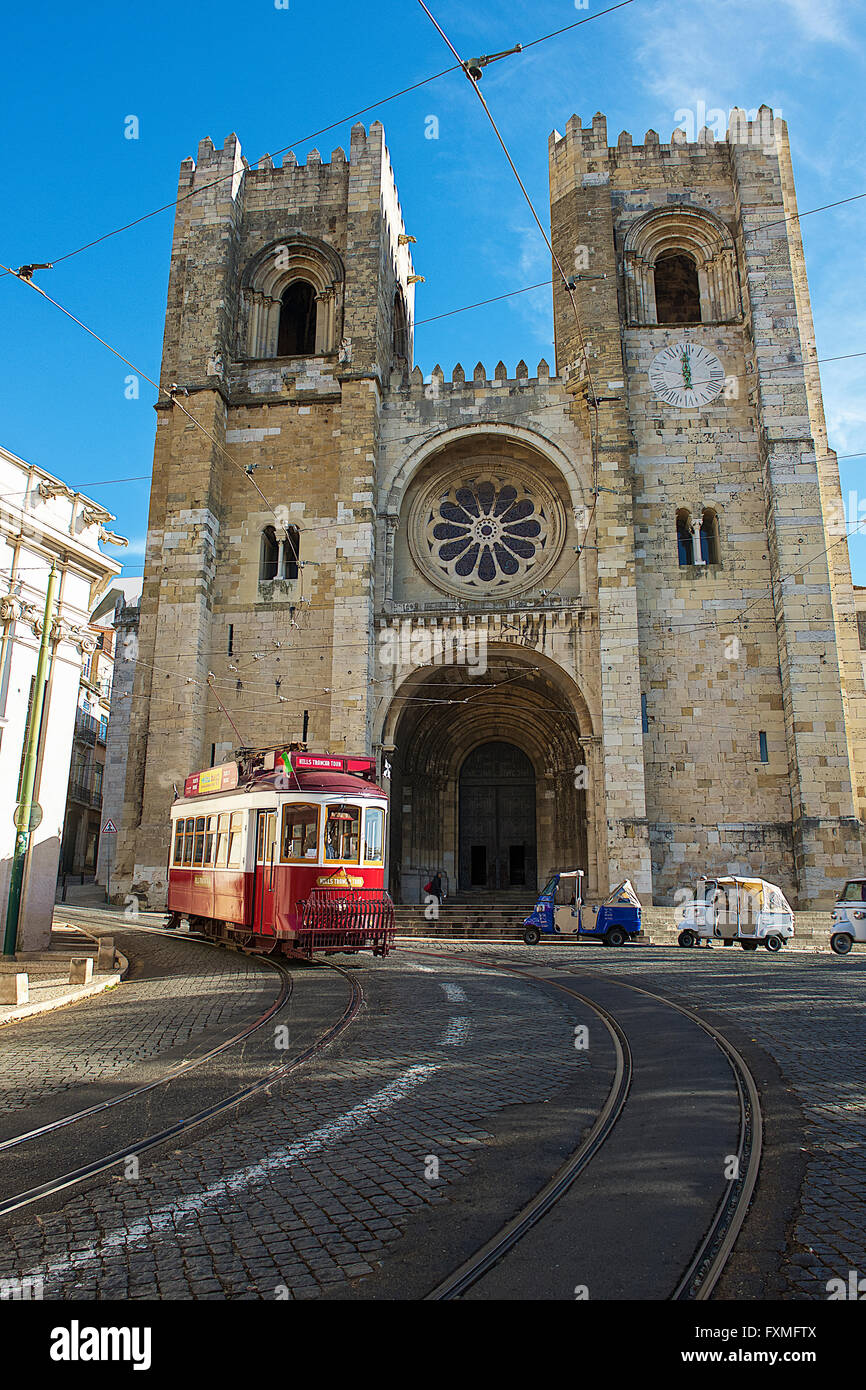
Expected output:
(561, 912)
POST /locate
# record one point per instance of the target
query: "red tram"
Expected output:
(286, 852)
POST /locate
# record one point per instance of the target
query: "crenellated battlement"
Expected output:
(208, 155)
(589, 144)
(414, 385)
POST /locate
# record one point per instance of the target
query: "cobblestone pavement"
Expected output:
(189, 990)
(304, 1193)
(809, 1013)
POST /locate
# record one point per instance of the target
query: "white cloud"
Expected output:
(726, 61)
(823, 21)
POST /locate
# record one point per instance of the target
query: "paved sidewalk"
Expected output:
(48, 973)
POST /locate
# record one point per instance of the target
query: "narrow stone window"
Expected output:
(280, 555)
(401, 327)
(644, 717)
(685, 539)
(291, 552)
(678, 291)
(762, 746)
(297, 331)
(861, 630)
(269, 559)
(231, 639)
(710, 538)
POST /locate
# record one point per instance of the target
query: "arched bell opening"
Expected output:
(297, 329)
(678, 290)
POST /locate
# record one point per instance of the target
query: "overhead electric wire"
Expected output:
(305, 140)
(172, 396)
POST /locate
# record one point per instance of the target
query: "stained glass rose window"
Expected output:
(489, 533)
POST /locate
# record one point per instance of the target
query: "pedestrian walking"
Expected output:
(434, 887)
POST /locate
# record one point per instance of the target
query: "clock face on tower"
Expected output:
(686, 375)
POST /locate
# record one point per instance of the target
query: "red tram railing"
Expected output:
(356, 921)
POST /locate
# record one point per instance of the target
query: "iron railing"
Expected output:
(332, 920)
(85, 793)
(86, 727)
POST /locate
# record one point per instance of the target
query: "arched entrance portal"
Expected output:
(488, 781)
(497, 819)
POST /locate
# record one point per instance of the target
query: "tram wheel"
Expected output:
(687, 938)
(774, 943)
(532, 936)
(841, 943)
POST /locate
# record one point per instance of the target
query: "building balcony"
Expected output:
(84, 794)
(86, 728)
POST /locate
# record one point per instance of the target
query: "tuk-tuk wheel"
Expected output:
(774, 943)
(749, 945)
(687, 938)
(615, 936)
(532, 936)
(841, 943)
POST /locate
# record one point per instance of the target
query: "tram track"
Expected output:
(181, 1069)
(713, 1250)
(82, 1172)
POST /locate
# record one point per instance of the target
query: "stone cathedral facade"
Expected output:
(591, 615)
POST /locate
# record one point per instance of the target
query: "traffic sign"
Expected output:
(109, 828)
(35, 816)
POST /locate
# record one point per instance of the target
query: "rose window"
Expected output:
(488, 533)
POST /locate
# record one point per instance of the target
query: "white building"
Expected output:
(42, 520)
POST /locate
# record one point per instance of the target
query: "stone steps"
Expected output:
(501, 922)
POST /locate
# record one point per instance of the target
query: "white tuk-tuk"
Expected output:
(848, 917)
(748, 910)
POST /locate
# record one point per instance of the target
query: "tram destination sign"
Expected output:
(299, 761)
(333, 762)
(214, 779)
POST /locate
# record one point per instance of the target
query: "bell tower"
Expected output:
(290, 300)
(733, 698)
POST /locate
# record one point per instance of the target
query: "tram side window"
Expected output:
(198, 856)
(343, 833)
(300, 832)
(222, 844)
(374, 820)
(187, 844)
(178, 842)
(209, 839)
(235, 834)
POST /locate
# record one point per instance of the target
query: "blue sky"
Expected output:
(276, 75)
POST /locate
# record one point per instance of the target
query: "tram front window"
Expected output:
(343, 833)
(300, 832)
(374, 822)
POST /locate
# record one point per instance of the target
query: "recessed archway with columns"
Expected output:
(439, 715)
